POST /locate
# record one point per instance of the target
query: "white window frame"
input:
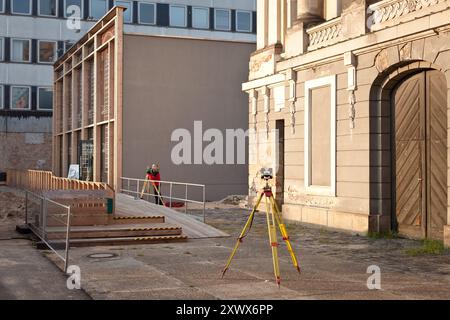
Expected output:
(201, 8)
(24, 14)
(38, 53)
(139, 12)
(2, 51)
(2, 95)
(81, 8)
(2, 8)
(185, 15)
(90, 10)
(11, 97)
(37, 101)
(236, 20)
(131, 9)
(215, 19)
(309, 86)
(12, 48)
(47, 15)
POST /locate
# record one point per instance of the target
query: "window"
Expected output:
(2, 45)
(1, 97)
(279, 94)
(45, 98)
(98, 8)
(147, 13)
(72, 11)
(128, 14)
(47, 51)
(2, 5)
(320, 136)
(68, 44)
(20, 50)
(222, 19)
(47, 8)
(243, 21)
(177, 16)
(20, 98)
(200, 18)
(21, 6)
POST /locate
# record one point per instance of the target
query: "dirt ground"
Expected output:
(12, 205)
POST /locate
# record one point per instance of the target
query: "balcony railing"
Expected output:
(388, 10)
(325, 34)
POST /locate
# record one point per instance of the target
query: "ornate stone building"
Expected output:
(359, 93)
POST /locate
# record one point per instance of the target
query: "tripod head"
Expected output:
(266, 175)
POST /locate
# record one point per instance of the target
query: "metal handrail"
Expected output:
(41, 232)
(171, 198)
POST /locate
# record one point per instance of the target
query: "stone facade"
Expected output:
(360, 55)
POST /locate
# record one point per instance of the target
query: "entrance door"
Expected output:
(420, 155)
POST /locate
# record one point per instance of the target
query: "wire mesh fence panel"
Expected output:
(50, 222)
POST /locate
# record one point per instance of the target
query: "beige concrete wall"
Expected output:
(170, 83)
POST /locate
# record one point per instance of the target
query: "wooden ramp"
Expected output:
(92, 225)
(194, 229)
(134, 221)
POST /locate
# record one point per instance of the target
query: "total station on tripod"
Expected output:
(266, 174)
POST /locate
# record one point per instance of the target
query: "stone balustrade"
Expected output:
(388, 10)
(325, 34)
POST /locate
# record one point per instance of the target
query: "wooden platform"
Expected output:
(134, 221)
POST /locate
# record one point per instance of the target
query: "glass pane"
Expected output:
(223, 19)
(69, 3)
(177, 16)
(147, 13)
(47, 51)
(21, 50)
(243, 21)
(128, 14)
(47, 7)
(98, 8)
(2, 5)
(200, 18)
(20, 98)
(21, 6)
(45, 98)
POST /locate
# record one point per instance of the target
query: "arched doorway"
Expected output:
(419, 155)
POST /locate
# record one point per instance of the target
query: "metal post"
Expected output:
(185, 199)
(66, 260)
(26, 207)
(43, 217)
(128, 185)
(204, 205)
(170, 194)
(137, 188)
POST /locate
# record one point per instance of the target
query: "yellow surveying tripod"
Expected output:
(274, 218)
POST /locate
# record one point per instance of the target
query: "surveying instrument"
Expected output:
(274, 219)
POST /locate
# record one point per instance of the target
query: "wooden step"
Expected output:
(115, 231)
(116, 219)
(60, 244)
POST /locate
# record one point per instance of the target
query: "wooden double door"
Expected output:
(420, 155)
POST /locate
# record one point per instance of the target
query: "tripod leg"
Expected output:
(273, 241)
(243, 234)
(144, 187)
(284, 233)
